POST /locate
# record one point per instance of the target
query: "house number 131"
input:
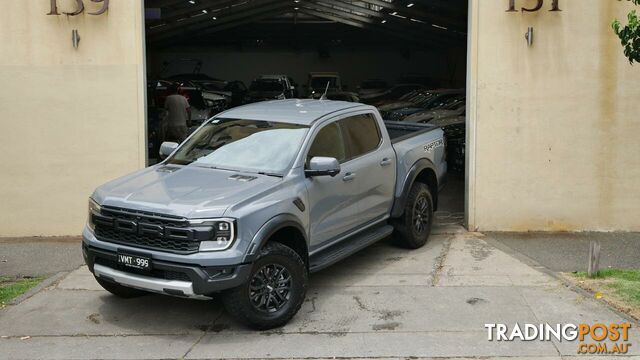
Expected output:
(555, 6)
(79, 8)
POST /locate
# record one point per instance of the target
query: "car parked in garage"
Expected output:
(233, 91)
(396, 93)
(319, 82)
(453, 107)
(372, 88)
(270, 87)
(259, 197)
(343, 96)
(423, 102)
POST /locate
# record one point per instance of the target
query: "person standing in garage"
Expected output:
(179, 115)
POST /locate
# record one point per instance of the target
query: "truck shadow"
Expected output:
(379, 266)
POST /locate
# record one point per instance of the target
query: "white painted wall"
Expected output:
(553, 128)
(69, 119)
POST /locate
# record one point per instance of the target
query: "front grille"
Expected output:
(149, 230)
(155, 273)
(105, 233)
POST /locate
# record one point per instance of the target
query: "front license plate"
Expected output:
(135, 261)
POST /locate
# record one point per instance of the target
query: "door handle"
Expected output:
(385, 162)
(349, 177)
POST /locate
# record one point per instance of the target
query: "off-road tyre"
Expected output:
(119, 290)
(419, 208)
(275, 263)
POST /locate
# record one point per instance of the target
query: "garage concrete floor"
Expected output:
(451, 202)
(383, 302)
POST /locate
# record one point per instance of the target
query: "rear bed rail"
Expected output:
(399, 131)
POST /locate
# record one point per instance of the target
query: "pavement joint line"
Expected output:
(247, 332)
(330, 333)
(524, 299)
(566, 283)
(440, 260)
(440, 357)
(204, 333)
(7, 337)
(481, 357)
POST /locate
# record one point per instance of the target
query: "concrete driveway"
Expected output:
(382, 302)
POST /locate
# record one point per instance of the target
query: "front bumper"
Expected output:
(169, 278)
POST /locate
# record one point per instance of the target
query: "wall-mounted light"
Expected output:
(529, 36)
(75, 38)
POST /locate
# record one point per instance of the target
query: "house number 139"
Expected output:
(79, 8)
(555, 6)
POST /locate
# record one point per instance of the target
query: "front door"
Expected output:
(374, 164)
(332, 208)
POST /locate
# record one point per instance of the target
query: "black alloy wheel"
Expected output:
(421, 214)
(270, 288)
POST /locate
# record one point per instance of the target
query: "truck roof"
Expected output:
(296, 111)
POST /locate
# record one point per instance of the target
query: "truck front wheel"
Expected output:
(414, 227)
(274, 292)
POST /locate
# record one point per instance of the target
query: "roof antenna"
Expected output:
(324, 96)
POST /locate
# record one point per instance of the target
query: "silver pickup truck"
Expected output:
(260, 196)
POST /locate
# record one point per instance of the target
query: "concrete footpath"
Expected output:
(384, 302)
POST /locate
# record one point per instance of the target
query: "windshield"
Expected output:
(320, 82)
(243, 145)
(266, 85)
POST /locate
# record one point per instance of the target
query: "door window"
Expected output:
(329, 142)
(362, 134)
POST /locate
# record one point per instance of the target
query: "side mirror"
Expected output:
(167, 148)
(322, 166)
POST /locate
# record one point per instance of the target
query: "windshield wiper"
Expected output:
(266, 173)
(270, 174)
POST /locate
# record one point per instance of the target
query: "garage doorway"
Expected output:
(407, 57)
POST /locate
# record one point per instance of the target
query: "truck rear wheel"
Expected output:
(274, 292)
(119, 290)
(414, 227)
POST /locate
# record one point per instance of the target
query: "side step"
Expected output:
(347, 247)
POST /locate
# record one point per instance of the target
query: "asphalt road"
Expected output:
(39, 256)
(570, 252)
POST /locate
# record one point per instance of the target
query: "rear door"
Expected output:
(372, 161)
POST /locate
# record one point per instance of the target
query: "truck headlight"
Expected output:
(223, 234)
(94, 208)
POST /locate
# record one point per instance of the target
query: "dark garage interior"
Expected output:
(406, 57)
